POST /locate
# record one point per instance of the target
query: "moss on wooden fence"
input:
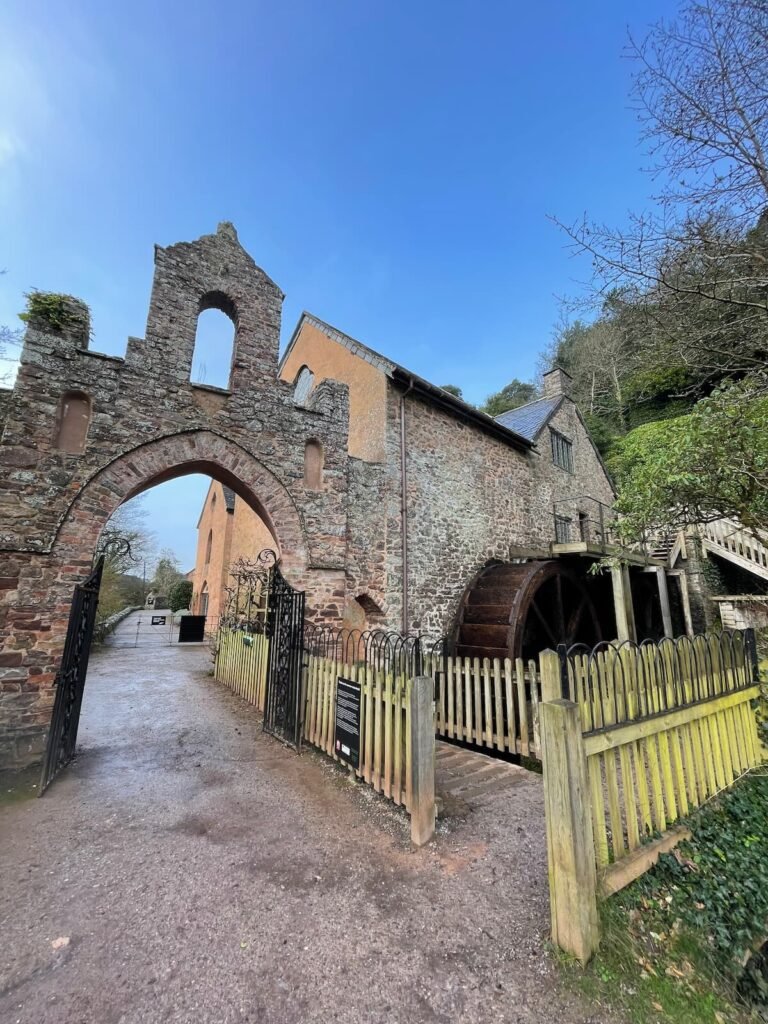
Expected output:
(650, 734)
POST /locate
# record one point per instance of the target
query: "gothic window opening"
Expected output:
(73, 421)
(208, 546)
(214, 341)
(313, 465)
(304, 381)
(204, 599)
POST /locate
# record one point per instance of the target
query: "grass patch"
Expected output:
(678, 944)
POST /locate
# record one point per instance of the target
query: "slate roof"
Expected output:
(530, 419)
(229, 498)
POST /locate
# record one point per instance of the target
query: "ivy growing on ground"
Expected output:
(59, 312)
(682, 942)
(716, 884)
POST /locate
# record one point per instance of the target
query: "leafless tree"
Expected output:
(698, 264)
(126, 540)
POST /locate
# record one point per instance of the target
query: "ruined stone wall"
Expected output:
(471, 497)
(148, 423)
(5, 403)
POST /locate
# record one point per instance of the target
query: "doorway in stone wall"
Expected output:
(153, 574)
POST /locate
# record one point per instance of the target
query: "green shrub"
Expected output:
(61, 313)
(180, 595)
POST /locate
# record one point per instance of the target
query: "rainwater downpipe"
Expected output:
(404, 503)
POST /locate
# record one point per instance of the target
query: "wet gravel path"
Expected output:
(203, 873)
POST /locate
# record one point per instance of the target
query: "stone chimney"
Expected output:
(556, 382)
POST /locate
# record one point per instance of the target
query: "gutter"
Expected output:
(460, 410)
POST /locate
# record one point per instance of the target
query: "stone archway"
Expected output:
(143, 421)
(166, 458)
(35, 635)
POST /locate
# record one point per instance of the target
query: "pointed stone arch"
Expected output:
(165, 458)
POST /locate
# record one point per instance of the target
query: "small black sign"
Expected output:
(158, 620)
(347, 735)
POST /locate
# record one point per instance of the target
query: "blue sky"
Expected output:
(391, 166)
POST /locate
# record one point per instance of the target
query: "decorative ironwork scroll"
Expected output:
(70, 679)
(247, 596)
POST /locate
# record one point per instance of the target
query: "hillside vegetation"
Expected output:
(669, 365)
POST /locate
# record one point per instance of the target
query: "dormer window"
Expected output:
(562, 451)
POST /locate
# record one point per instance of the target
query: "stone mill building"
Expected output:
(390, 502)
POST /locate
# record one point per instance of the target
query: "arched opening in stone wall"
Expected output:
(152, 511)
(363, 613)
(178, 541)
(72, 422)
(302, 389)
(313, 465)
(214, 341)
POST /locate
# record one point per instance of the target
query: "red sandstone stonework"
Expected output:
(475, 491)
(149, 424)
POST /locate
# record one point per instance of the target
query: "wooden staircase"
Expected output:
(728, 539)
(667, 547)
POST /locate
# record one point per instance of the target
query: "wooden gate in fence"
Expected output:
(489, 703)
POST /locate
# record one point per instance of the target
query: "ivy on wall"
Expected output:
(61, 313)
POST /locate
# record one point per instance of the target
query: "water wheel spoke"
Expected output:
(559, 608)
(575, 619)
(543, 621)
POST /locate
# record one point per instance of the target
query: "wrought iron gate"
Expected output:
(70, 678)
(285, 629)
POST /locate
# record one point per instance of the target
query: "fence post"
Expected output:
(750, 649)
(551, 670)
(422, 760)
(570, 841)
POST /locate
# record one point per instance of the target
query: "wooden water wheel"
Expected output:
(518, 610)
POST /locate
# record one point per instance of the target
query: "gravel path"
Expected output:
(203, 873)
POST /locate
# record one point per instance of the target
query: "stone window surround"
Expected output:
(562, 450)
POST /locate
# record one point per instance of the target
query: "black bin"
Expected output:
(192, 629)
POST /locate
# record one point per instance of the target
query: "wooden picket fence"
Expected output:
(241, 664)
(385, 738)
(491, 703)
(385, 732)
(645, 735)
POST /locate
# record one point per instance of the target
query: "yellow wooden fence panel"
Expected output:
(385, 762)
(491, 703)
(241, 664)
(646, 774)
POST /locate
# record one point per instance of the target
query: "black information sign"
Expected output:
(158, 620)
(347, 736)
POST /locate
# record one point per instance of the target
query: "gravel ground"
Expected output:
(188, 868)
